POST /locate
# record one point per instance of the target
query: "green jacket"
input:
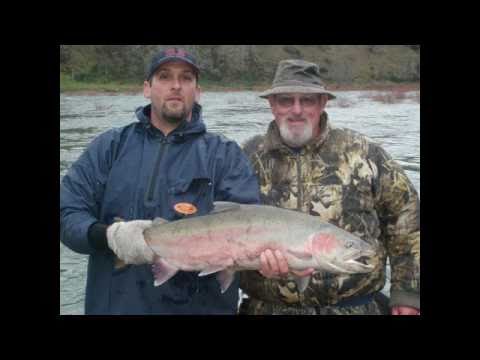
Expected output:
(347, 179)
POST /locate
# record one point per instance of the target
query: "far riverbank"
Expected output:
(68, 87)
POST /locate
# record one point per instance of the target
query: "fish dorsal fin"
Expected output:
(223, 206)
(159, 221)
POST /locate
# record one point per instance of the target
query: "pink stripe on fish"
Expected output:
(323, 243)
(219, 235)
(222, 244)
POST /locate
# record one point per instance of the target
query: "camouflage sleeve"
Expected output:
(253, 149)
(257, 286)
(398, 208)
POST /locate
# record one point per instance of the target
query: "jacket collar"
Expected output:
(273, 141)
(185, 130)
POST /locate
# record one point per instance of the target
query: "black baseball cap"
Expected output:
(170, 54)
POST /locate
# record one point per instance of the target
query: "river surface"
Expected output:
(237, 115)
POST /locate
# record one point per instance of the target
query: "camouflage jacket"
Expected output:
(347, 179)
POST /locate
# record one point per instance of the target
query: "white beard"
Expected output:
(296, 139)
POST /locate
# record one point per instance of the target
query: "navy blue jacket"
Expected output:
(135, 172)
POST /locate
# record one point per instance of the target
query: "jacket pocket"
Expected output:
(195, 191)
(324, 201)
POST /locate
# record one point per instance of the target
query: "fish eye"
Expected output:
(349, 244)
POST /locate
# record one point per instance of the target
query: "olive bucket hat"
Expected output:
(297, 76)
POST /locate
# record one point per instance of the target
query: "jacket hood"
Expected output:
(186, 129)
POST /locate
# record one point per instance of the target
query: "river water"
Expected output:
(237, 115)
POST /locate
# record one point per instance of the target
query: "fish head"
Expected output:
(342, 252)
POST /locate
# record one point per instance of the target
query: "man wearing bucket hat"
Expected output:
(164, 165)
(341, 176)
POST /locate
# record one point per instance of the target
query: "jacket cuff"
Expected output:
(404, 298)
(97, 236)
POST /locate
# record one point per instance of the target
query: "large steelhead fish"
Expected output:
(232, 236)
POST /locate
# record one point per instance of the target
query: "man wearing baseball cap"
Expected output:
(163, 165)
(306, 164)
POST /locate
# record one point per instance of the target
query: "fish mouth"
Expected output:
(361, 263)
(362, 259)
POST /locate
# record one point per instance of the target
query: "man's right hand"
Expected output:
(274, 265)
(126, 240)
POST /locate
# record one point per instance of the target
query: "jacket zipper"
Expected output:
(156, 168)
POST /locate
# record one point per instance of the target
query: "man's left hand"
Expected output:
(126, 240)
(405, 310)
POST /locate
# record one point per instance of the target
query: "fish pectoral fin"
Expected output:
(341, 279)
(222, 206)
(302, 282)
(162, 271)
(159, 221)
(225, 278)
(300, 254)
(211, 269)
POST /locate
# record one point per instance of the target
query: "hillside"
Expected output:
(246, 64)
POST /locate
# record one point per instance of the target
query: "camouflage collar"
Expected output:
(274, 142)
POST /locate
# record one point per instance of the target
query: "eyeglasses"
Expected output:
(287, 101)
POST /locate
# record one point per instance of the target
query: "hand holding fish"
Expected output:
(126, 240)
(274, 264)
